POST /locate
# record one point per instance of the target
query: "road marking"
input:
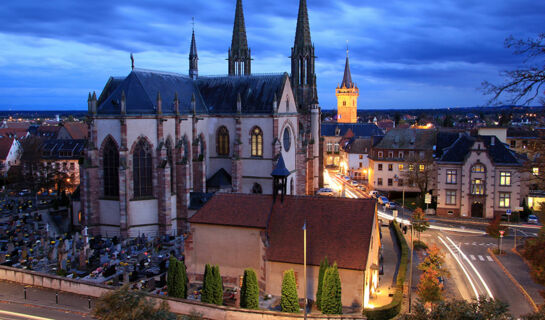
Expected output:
(23, 315)
(461, 266)
(482, 244)
(467, 243)
(472, 257)
(472, 267)
(481, 258)
(489, 258)
(474, 243)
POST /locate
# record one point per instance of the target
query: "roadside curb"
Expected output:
(41, 306)
(515, 282)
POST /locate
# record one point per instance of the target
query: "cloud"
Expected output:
(403, 53)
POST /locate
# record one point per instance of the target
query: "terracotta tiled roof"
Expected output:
(13, 132)
(17, 125)
(5, 146)
(77, 130)
(338, 228)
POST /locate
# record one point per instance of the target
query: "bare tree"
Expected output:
(522, 85)
(420, 173)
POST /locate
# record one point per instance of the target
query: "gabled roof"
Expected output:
(359, 146)
(76, 130)
(13, 133)
(219, 180)
(407, 139)
(63, 149)
(5, 147)
(498, 153)
(141, 88)
(328, 129)
(257, 92)
(338, 228)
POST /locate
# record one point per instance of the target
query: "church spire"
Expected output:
(239, 53)
(303, 76)
(347, 78)
(302, 33)
(193, 57)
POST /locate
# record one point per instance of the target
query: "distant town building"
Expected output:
(10, 153)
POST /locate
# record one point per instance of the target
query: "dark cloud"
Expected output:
(438, 46)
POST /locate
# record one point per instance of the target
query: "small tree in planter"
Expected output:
(419, 222)
(289, 302)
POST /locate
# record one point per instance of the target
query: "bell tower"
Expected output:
(347, 97)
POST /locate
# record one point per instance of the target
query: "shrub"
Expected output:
(331, 292)
(217, 286)
(289, 302)
(323, 267)
(207, 285)
(249, 292)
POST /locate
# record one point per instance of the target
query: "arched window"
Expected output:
(170, 159)
(256, 188)
(477, 168)
(257, 142)
(110, 164)
(142, 170)
(222, 141)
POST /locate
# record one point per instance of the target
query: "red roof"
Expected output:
(5, 146)
(17, 125)
(13, 132)
(77, 130)
(338, 228)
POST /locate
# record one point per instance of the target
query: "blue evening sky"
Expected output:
(403, 53)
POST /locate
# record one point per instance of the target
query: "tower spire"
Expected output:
(239, 53)
(303, 76)
(193, 57)
(347, 78)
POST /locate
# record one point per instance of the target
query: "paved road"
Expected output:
(482, 276)
(27, 312)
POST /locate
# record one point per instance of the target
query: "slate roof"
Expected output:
(257, 92)
(521, 133)
(212, 94)
(48, 132)
(444, 140)
(219, 180)
(359, 129)
(141, 88)
(499, 153)
(359, 146)
(408, 139)
(338, 228)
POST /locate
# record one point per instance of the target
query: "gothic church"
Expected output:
(156, 137)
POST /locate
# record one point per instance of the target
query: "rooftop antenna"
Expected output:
(132, 62)
(347, 48)
(193, 22)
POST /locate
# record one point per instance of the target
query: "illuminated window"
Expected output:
(477, 187)
(379, 181)
(421, 168)
(329, 147)
(450, 197)
(477, 168)
(411, 167)
(505, 199)
(222, 141)
(451, 176)
(257, 142)
(336, 147)
(535, 171)
(390, 167)
(361, 156)
(344, 103)
(505, 178)
(400, 167)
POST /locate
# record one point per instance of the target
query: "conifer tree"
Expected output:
(207, 285)
(323, 267)
(331, 302)
(249, 292)
(171, 276)
(183, 279)
(218, 286)
(289, 302)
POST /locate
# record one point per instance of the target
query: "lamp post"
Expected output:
(396, 179)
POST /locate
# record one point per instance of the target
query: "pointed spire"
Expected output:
(239, 41)
(302, 33)
(193, 57)
(347, 78)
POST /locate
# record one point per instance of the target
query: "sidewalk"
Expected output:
(521, 272)
(391, 254)
(44, 298)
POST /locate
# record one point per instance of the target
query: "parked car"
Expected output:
(325, 192)
(391, 205)
(383, 200)
(533, 219)
(346, 178)
(373, 193)
(354, 183)
(361, 187)
(24, 192)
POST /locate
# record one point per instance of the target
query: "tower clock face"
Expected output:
(287, 140)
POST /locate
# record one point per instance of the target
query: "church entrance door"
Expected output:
(477, 210)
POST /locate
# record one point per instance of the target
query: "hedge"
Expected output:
(393, 308)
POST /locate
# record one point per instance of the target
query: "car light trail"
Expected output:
(461, 266)
(472, 267)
